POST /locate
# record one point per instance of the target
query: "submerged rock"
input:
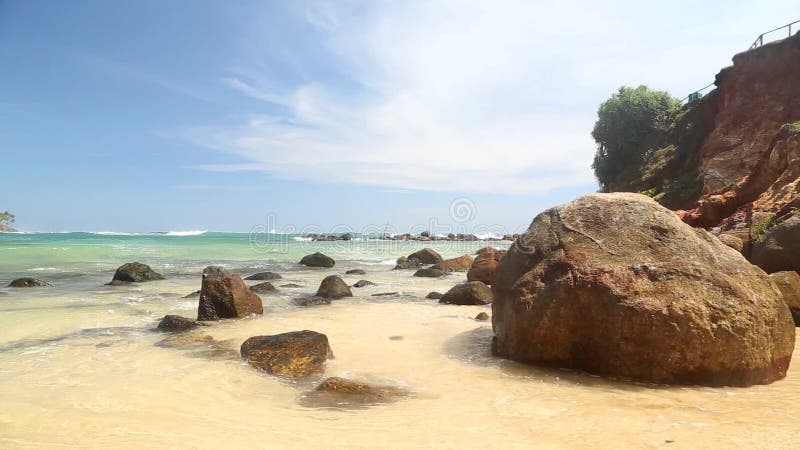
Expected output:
(333, 287)
(384, 294)
(28, 282)
(460, 264)
(779, 250)
(433, 295)
(341, 392)
(224, 295)
(485, 265)
(293, 354)
(616, 284)
(135, 273)
(407, 263)
(185, 340)
(470, 293)
(291, 285)
(482, 316)
(427, 256)
(176, 323)
(193, 294)
(311, 301)
(430, 273)
(362, 283)
(263, 287)
(355, 272)
(265, 276)
(788, 283)
(317, 260)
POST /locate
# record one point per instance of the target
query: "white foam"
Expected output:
(302, 239)
(186, 233)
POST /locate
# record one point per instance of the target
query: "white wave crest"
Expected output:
(186, 233)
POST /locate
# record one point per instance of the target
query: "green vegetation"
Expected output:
(760, 230)
(649, 192)
(6, 220)
(794, 127)
(628, 125)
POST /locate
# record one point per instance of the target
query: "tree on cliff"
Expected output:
(6, 220)
(628, 124)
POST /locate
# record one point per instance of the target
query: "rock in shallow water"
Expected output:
(426, 256)
(433, 295)
(341, 392)
(261, 276)
(407, 263)
(615, 284)
(28, 282)
(224, 296)
(789, 285)
(470, 293)
(176, 323)
(333, 287)
(430, 272)
(263, 287)
(317, 260)
(311, 301)
(460, 264)
(135, 272)
(362, 283)
(482, 316)
(355, 272)
(293, 354)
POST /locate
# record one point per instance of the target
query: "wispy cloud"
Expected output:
(459, 96)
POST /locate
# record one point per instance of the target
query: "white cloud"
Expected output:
(464, 96)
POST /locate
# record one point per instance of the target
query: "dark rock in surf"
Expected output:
(176, 323)
(28, 282)
(317, 260)
(135, 273)
(333, 287)
(224, 295)
(265, 276)
(293, 354)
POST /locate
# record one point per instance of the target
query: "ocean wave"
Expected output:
(186, 233)
(302, 239)
(116, 233)
(45, 269)
(491, 236)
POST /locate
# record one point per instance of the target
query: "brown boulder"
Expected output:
(317, 260)
(471, 293)
(789, 285)
(430, 272)
(426, 256)
(407, 263)
(779, 250)
(135, 273)
(339, 392)
(484, 266)
(732, 241)
(616, 284)
(264, 276)
(333, 287)
(460, 264)
(482, 316)
(293, 354)
(263, 287)
(176, 323)
(224, 295)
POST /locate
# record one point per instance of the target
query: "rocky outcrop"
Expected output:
(779, 249)
(176, 323)
(333, 287)
(426, 256)
(485, 265)
(263, 288)
(265, 276)
(430, 272)
(337, 392)
(789, 285)
(293, 354)
(460, 264)
(28, 282)
(470, 293)
(615, 284)
(224, 295)
(317, 260)
(135, 273)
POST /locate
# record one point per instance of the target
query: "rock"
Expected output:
(460, 264)
(408, 263)
(291, 285)
(293, 354)
(362, 283)
(426, 234)
(401, 260)
(263, 287)
(185, 340)
(470, 293)
(779, 250)
(384, 294)
(311, 301)
(28, 282)
(732, 241)
(616, 284)
(426, 256)
(788, 283)
(355, 272)
(265, 276)
(317, 260)
(430, 273)
(433, 295)
(482, 316)
(192, 295)
(485, 265)
(333, 287)
(395, 338)
(340, 392)
(135, 273)
(176, 323)
(224, 295)
(486, 249)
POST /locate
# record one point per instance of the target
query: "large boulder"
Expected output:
(780, 248)
(470, 293)
(460, 264)
(616, 284)
(317, 260)
(484, 266)
(265, 276)
(135, 273)
(333, 287)
(293, 354)
(788, 283)
(224, 295)
(426, 256)
(28, 282)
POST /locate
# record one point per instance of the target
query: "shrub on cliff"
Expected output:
(628, 124)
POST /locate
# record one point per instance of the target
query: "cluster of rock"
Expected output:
(426, 236)
(330, 237)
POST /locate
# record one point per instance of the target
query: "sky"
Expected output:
(225, 116)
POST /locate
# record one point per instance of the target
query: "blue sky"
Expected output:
(181, 115)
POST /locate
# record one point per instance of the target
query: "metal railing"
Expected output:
(760, 39)
(697, 95)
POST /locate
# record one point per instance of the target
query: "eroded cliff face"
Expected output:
(749, 162)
